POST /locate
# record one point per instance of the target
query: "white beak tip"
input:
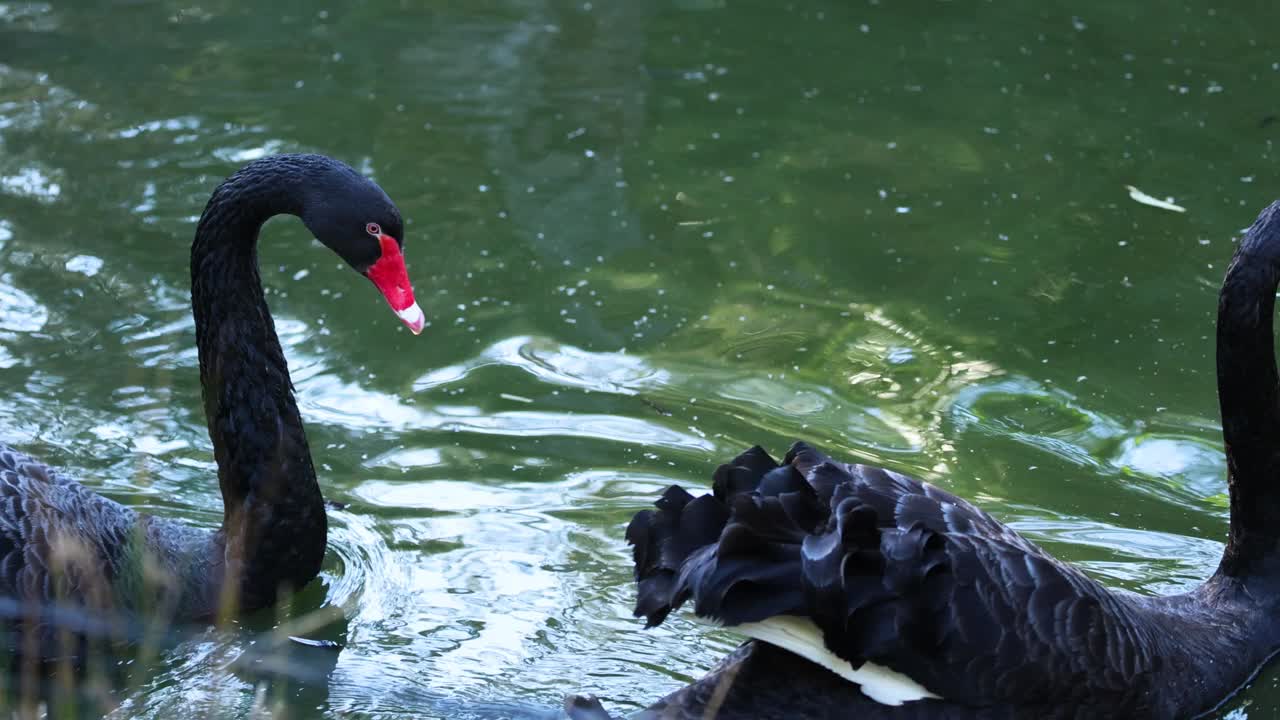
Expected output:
(413, 318)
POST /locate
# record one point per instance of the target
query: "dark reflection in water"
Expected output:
(647, 235)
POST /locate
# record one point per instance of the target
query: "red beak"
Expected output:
(392, 280)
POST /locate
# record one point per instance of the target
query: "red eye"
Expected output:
(373, 229)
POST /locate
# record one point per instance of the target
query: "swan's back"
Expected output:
(920, 601)
(65, 547)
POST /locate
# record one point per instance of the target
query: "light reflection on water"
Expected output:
(557, 365)
(1178, 460)
(19, 312)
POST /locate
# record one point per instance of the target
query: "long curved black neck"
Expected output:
(274, 526)
(1249, 395)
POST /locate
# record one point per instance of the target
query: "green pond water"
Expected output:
(646, 235)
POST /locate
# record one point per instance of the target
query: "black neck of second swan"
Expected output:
(1250, 400)
(274, 522)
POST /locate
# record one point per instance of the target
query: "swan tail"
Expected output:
(735, 552)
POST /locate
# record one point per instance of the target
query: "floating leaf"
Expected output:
(326, 644)
(1155, 202)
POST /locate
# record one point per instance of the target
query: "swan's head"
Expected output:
(353, 217)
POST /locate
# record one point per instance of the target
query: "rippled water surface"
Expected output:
(647, 235)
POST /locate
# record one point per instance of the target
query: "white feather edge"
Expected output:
(802, 637)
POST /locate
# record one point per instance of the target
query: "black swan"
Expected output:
(63, 546)
(920, 605)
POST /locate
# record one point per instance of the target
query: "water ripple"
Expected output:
(556, 364)
(1179, 460)
(20, 312)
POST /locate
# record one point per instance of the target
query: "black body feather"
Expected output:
(902, 574)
